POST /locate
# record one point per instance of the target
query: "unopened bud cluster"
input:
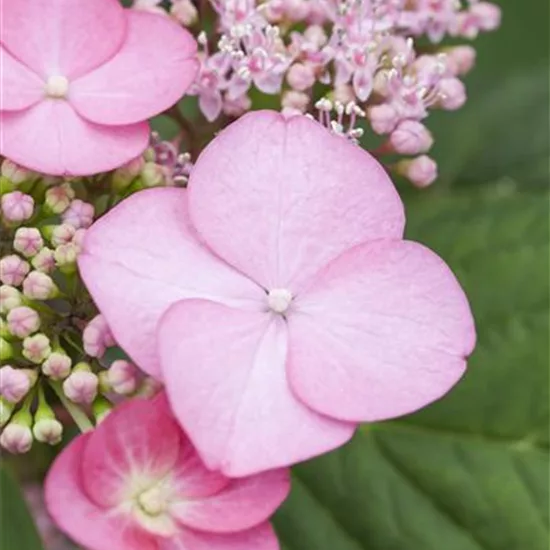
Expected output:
(52, 344)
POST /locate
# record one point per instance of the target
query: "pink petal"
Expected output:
(53, 139)
(139, 437)
(63, 37)
(259, 538)
(19, 86)
(279, 198)
(151, 72)
(244, 504)
(76, 515)
(194, 480)
(382, 331)
(142, 257)
(225, 378)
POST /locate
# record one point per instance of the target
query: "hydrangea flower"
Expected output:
(276, 296)
(137, 483)
(80, 79)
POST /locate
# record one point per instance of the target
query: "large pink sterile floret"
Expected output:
(80, 79)
(276, 296)
(136, 483)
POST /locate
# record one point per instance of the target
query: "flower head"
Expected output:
(136, 482)
(307, 311)
(81, 79)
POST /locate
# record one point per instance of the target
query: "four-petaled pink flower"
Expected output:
(276, 296)
(136, 483)
(80, 79)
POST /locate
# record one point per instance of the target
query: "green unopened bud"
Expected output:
(125, 175)
(152, 175)
(65, 257)
(46, 428)
(6, 410)
(6, 350)
(101, 408)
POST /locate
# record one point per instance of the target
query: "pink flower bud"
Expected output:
(79, 214)
(122, 377)
(28, 241)
(295, 102)
(421, 171)
(97, 337)
(78, 239)
(452, 94)
(17, 207)
(66, 254)
(39, 286)
(301, 76)
(316, 35)
(63, 234)
(10, 298)
(15, 173)
(410, 138)
(461, 59)
(57, 366)
(16, 438)
(14, 384)
(48, 430)
(58, 198)
(36, 348)
(81, 387)
(383, 118)
(488, 15)
(23, 321)
(296, 10)
(13, 270)
(237, 106)
(184, 12)
(44, 260)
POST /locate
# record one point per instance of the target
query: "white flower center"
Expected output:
(153, 501)
(279, 299)
(57, 86)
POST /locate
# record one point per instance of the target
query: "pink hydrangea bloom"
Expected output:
(81, 78)
(137, 483)
(277, 299)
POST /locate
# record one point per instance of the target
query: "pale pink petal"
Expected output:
(62, 37)
(245, 503)
(52, 138)
(384, 330)
(142, 257)
(279, 198)
(150, 73)
(19, 86)
(225, 378)
(258, 538)
(139, 436)
(193, 480)
(73, 512)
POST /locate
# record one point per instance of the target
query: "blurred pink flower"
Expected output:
(137, 483)
(276, 296)
(80, 79)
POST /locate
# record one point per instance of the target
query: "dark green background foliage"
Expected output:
(471, 471)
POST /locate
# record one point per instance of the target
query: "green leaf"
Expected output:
(17, 529)
(471, 471)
